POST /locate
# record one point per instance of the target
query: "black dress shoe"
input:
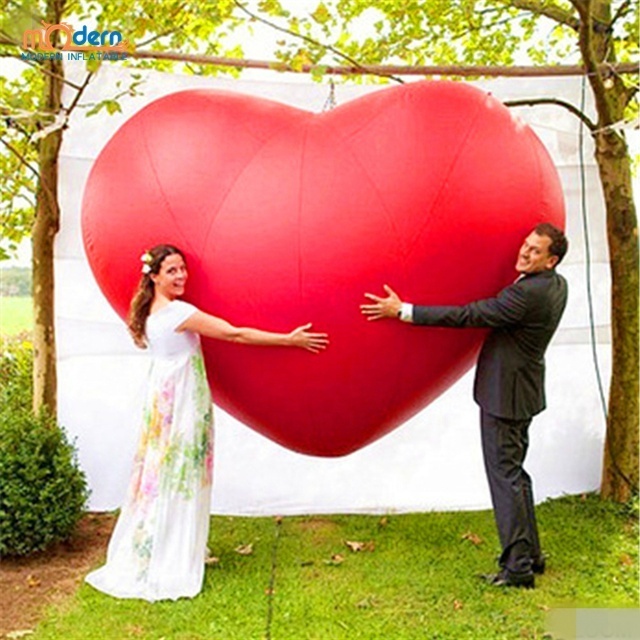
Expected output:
(538, 565)
(507, 578)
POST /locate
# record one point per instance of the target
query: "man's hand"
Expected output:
(388, 307)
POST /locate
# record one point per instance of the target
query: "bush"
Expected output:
(42, 489)
(16, 371)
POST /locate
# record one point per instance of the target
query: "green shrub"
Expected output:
(16, 371)
(42, 489)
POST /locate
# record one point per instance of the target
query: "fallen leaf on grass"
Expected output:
(135, 630)
(457, 605)
(244, 549)
(626, 560)
(544, 607)
(354, 546)
(473, 538)
(336, 559)
(360, 546)
(367, 603)
(384, 521)
(19, 633)
(212, 560)
(32, 581)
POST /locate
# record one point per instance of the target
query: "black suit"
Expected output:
(509, 387)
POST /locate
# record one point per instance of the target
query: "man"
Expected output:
(509, 384)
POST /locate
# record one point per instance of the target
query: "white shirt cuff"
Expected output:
(406, 312)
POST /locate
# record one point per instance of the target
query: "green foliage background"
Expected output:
(42, 489)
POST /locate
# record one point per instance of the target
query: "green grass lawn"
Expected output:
(415, 579)
(16, 315)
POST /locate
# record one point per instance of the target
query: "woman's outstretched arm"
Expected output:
(219, 329)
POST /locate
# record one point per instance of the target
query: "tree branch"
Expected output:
(36, 64)
(567, 105)
(9, 54)
(177, 12)
(553, 12)
(623, 9)
(581, 6)
(13, 115)
(7, 41)
(43, 69)
(476, 28)
(20, 157)
(158, 36)
(308, 39)
(591, 62)
(79, 93)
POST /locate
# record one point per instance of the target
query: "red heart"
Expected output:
(288, 217)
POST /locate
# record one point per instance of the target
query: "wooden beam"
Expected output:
(374, 69)
(384, 70)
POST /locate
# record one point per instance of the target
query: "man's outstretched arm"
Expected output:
(507, 308)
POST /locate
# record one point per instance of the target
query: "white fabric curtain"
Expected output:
(434, 460)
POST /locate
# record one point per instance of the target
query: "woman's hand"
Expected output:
(314, 342)
(214, 327)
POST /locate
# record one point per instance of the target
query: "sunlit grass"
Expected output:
(415, 578)
(16, 315)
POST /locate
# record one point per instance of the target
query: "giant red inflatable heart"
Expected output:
(288, 217)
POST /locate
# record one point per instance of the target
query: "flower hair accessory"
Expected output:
(147, 259)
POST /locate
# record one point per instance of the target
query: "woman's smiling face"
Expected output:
(170, 281)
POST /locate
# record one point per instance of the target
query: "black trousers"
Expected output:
(504, 446)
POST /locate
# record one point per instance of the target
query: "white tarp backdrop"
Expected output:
(433, 462)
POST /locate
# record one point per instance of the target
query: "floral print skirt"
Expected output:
(158, 547)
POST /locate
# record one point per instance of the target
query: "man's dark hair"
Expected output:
(559, 242)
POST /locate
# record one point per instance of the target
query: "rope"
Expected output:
(587, 251)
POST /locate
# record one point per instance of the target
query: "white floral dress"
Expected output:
(158, 547)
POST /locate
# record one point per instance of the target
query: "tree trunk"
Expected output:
(620, 472)
(611, 97)
(45, 228)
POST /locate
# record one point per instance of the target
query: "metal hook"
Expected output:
(330, 102)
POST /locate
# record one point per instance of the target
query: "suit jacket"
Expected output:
(523, 317)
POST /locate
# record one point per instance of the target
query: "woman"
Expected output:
(158, 547)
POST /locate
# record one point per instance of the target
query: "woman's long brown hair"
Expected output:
(143, 297)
